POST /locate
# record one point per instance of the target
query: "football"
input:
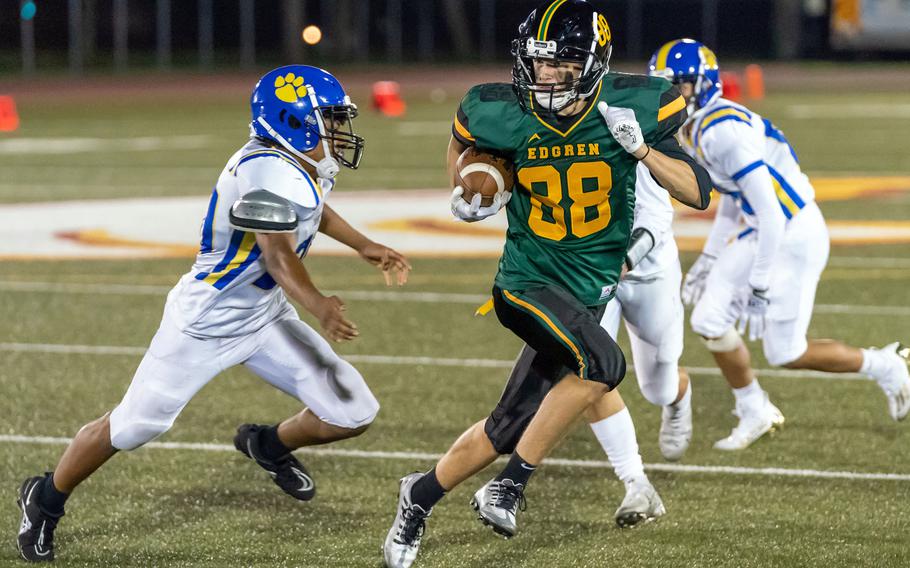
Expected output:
(480, 172)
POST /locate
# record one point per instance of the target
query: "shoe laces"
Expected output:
(508, 496)
(412, 525)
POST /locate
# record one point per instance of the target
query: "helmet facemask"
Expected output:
(553, 97)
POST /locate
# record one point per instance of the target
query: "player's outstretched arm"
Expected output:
(285, 267)
(686, 181)
(385, 258)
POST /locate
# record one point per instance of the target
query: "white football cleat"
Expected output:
(676, 428)
(497, 503)
(641, 505)
(403, 540)
(752, 426)
(896, 382)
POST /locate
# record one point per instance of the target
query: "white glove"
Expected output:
(623, 126)
(694, 282)
(753, 314)
(473, 211)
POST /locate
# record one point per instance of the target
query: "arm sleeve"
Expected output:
(461, 127)
(671, 114)
(726, 222)
(733, 147)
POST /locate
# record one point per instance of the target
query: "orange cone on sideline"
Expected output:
(732, 89)
(755, 82)
(387, 98)
(9, 118)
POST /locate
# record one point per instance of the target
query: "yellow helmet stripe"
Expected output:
(545, 19)
(663, 53)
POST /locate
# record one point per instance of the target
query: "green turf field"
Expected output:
(183, 507)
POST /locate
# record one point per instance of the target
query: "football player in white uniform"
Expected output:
(232, 307)
(647, 298)
(763, 276)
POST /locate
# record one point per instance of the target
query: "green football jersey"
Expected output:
(571, 212)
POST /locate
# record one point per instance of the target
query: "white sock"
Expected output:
(616, 435)
(686, 400)
(750, 396)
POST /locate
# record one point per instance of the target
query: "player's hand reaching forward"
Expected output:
(753, 314)
(387, 260)
(625, 129)
(694, 283)
(330, 312)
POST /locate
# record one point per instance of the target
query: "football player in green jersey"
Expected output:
(570, 219)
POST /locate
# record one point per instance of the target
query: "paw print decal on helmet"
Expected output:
(289, 88)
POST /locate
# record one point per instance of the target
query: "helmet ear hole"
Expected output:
(293, 122)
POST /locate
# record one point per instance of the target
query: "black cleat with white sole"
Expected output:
(287, 472)
(36, 531)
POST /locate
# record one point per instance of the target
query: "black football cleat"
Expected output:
(287, 472)
(36, 532)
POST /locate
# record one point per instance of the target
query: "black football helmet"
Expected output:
(561, 30)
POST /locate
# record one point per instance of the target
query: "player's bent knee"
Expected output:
(135, 434)
(729, 341)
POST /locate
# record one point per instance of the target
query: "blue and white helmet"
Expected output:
(299, 107)
(689, 61)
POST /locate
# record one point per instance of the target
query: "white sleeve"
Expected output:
(277, 176)
(653, 210)
(735, 150)
(726, 222)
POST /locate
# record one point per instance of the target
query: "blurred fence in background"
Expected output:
(210, 34)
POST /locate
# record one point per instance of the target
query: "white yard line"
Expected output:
(374, 296)
(589, 464)
(31, 146)
(403, 360)
(858, 111)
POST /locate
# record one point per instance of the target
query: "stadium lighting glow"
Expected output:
(28, 10)
(312, 35)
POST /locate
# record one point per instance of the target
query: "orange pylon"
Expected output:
(755, 82)
(9, 118)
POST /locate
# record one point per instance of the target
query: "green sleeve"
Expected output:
(488, 118)
(671, 113)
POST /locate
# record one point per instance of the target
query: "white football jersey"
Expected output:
(228, 292)
(654, 212)
(731, 141)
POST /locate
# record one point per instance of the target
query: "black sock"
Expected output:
(518, 470)
(270, 446)
(51, 500)
(427, 491)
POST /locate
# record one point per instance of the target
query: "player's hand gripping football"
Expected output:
(330, 312)
(474, 211)
(753, 314)
(387, 260)
(624, 127)
(694, 282)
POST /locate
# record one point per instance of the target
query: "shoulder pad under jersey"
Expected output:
(279, 174)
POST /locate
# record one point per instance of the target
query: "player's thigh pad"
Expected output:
(555, 324)
(172, 371)
(293, 357)
(654, 313)
(531, 379)
(717, 309)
